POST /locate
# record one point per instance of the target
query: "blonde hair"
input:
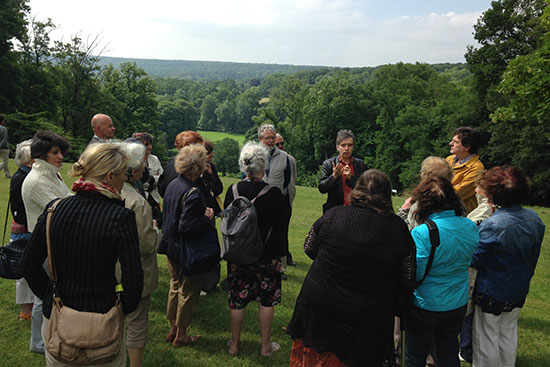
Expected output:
(191, 160)
(100, 159)
(436, 167)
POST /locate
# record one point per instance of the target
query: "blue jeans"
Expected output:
(443, 327)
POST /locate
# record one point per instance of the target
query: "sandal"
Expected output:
(229, 350)
(24, 317)
(190, 339)
(274, 347)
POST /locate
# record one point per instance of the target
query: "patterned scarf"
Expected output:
(88, 184)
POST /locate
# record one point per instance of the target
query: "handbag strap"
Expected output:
(434, 240)
(53, 271)
(6, 221)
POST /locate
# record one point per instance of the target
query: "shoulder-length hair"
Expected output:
(505, 185)
(434, 195)
(43, 141)
(373, 190)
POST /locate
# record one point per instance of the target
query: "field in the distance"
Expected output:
(211, 319)
(218, 135)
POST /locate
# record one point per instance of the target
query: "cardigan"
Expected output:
(89, 234)
(332, 186)
(361, 277)
(149, 236)
(42, 185)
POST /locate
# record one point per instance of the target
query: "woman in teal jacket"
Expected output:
(439, 302)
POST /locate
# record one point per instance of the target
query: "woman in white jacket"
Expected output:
(42, 185)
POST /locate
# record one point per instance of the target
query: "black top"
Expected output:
(270, 209)
(333, 187)
(17, 206)
(167, 176)
(362, 275)
(187, 222)
(89, 234)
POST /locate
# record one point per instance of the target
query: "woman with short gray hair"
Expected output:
(260, 281)
(23, 294)
(149, 236)
(185, 216)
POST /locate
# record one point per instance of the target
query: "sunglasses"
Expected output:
(280, 144)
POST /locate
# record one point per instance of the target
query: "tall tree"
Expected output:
(12, 27)
(76, 71)
(521, 129)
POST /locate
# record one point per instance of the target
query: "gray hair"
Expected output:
(343, 135)
(135, 152)
(253, 159)
(23, 153)
(265, 127)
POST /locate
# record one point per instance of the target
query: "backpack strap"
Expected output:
(235, 191)
(262, 192)
(434, 240)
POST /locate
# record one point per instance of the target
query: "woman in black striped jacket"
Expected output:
(90, 232)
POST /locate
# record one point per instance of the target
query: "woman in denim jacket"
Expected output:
(509, 247)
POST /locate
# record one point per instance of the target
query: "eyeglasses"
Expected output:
(280, 144)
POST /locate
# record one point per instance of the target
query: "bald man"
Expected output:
(103, 128)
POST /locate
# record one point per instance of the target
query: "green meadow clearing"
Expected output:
(211, 318)
(219, 135)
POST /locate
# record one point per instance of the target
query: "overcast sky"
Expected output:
(302, 32)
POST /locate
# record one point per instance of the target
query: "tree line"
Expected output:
(400, 113)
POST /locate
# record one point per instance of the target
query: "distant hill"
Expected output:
(207, 70)
(241, 71)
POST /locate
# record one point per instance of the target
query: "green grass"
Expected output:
(211, 318)
(218, 135)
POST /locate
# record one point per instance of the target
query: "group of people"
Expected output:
(374, 274)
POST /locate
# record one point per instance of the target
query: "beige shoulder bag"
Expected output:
(77, 337)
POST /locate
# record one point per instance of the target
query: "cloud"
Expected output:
(315, 32)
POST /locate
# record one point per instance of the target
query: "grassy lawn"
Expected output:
(212, 315)
(218, 135)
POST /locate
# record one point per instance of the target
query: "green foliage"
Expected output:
(23, 126)
(208, 119)
(176, 116)
(521, 129)
(226, 156)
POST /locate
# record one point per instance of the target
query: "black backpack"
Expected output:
(242, 242)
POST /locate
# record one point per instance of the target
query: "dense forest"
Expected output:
(400, 113)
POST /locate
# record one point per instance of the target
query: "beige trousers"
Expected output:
(183, 295)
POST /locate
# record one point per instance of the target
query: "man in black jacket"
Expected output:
(339, 174)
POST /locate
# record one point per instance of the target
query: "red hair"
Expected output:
(188, 137)
(505, 185)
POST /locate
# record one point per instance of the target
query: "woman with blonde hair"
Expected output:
(431, 167)
(90, 232)
(185, 215)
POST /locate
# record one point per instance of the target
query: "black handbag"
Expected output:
(200, 254)
(11, 255)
